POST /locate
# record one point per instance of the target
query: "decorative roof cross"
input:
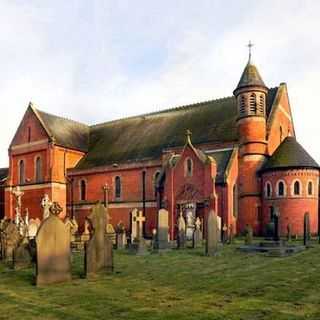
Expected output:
(188, 134)
(250, 45)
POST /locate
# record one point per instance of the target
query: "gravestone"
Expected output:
(32, 228)
(111, 233)
(162, 230)
(181, 237)
(219, 226)
(21, 255)
(212, 236)
(72, 226)
(276, 218)
(306, 229)
(85, 236)
(46, 205)
(98, 250)
(12, 237)
(121, 237)
(140, 242)
(134, 231)
(224, 233)
(289, 232)
(53, 251)
(197, 234)
(249, 235)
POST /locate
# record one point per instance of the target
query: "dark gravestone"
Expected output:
(98, 250)
(212, 236)
(121, 237)
(181, 237)
(53, 252)
(248, 235)
(22, 256)
(289, 232)
(276, 218)
(306, 229)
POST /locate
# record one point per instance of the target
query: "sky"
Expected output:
(94, 61)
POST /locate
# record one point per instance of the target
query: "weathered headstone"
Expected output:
(22, 255)
(134, 230)
(72, 226)
(224, 233)
(32, 228)
(162, 230)
(98, 250)
(197, 234)
(289, 232)
(306, 229)
(11, 239)
(181, 237)
(212, 237)
(53, 252)
(121, 237)
(46, 205)
(85, 236)
(276, 218)
(248, 235)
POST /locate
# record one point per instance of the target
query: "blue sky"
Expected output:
(94, 61)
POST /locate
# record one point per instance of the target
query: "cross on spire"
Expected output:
(250, 45)
(188, 135)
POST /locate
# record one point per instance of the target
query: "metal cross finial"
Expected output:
(188, 134)
(250, 45)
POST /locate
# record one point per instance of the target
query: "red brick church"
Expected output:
(238, 155)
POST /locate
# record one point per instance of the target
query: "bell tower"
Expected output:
(251, 95)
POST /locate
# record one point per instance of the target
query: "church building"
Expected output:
(237, 155)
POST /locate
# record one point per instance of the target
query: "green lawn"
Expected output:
(178, 285)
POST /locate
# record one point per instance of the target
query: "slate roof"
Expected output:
(144, 137)
(66, 133)
(250, 77)
(3, 174)
(222, 159)
(289, 155)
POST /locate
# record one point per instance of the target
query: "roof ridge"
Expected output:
(173, 109)
(63, 118)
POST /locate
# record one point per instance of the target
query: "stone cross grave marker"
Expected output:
(98, 250)
(212, 237)
(18, 196)
(142, 248)
(46, 205)
(53, 251)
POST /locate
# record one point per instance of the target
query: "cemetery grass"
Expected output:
(177, 285)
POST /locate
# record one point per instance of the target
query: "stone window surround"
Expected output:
(188, 173)
(307, 188)
(38, 156)
(114, 187)
(266, 189)
(292, 188)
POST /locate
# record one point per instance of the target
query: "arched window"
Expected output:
(296, 188)
(310, 188)
(242, 105)
(268, 190)
(83, 190)
(188, 167)
(261, 104)
(253, 103)
(117, 187)
(155, 182)
(38, 170)
(22, 178)
(281, 189)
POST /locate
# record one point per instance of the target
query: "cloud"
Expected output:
(103, 60)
